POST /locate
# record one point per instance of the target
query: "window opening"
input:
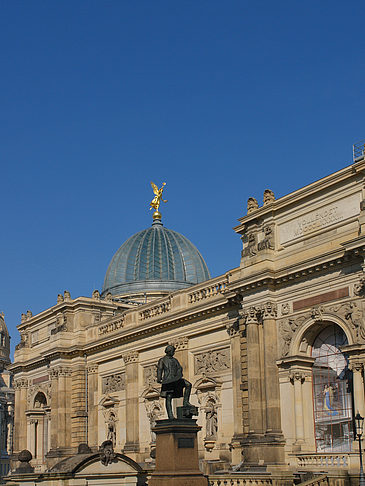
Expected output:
(332, 392)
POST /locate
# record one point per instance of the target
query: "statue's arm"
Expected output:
(159, 370)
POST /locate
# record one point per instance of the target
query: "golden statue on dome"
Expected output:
(155, 203)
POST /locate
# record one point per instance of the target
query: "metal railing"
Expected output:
(358, 150)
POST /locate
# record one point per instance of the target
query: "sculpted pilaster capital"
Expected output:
(356, 366)
(92, 368)
(130, 357)
(251, 314)
(21, 383)
(269, 310)
(233, 328)
(180, 343)
(297, 375)
(64, 371)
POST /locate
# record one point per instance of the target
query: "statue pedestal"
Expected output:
(177, 461)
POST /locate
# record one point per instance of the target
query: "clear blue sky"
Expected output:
(220, 99)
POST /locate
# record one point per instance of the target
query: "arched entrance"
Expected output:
(332, 392)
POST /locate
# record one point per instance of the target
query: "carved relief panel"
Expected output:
(113, 383)
(212, 361)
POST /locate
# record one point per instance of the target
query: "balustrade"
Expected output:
(207, 292)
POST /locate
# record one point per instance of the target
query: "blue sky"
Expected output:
(220, 100)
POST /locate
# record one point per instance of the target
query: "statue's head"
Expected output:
(170, 350)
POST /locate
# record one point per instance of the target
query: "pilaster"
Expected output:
(272, 391)
(92, 373)
(233, 330)
(132, 402)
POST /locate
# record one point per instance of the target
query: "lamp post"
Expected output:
(359, 424)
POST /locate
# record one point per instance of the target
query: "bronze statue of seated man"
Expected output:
(170, 374)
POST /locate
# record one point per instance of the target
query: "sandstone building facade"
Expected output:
(274, 348)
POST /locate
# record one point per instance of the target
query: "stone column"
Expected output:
(234, 334)
(20, 420)
(357, 368)
(272, 392)
(132, 402)
(255, 373)
(92, 371)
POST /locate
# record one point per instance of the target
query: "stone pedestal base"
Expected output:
(177, 454)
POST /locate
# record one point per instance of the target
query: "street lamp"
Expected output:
(359, 424)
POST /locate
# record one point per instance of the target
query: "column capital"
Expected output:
(130, 357)
(269, 310)
(233, 328)
(251, 314)
(21, 383)
(297, 375)
(92, 368)
(180, 343)
(356, 366)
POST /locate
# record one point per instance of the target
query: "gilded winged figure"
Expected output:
(155, 203)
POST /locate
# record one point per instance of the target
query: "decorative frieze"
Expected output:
(113, 383)
(156, 310)
(213, 361)
(130, 357)
(111, 326)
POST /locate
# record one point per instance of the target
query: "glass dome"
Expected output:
(155, 260)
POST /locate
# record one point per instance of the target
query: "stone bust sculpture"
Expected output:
(170, 374)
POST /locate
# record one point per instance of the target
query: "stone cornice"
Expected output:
(70, 305)
(295, 197)
(332, 260)
(129, 334)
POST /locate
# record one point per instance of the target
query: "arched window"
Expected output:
(332, 392)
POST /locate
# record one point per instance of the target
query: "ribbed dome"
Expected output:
(155, 259)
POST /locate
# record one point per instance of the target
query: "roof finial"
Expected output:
(155, 203)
